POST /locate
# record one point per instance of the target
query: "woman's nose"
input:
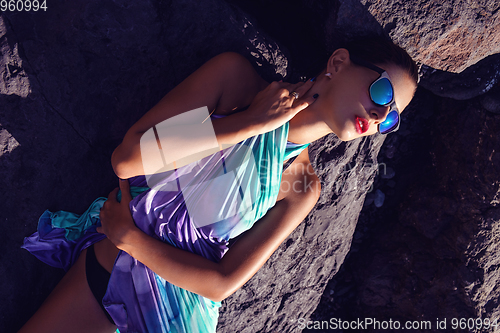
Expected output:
(379, 113)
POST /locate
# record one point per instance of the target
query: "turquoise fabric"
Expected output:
(294, 149)
(75, 225)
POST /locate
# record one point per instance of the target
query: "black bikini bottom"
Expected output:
(97, 278)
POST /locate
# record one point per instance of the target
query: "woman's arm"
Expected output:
(223, 83)
(192, 272)
(205, 87)
(181, 144)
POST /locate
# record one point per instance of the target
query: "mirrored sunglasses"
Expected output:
(382, 94)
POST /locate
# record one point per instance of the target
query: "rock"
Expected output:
(491, 100)
(391, 183)
(93, 69)
(379, 198)
(473, 81)
(458, 43)
(388, 173)
(447, 35)
(14, 79)
(369, 199)
(389, 151)
(7, 142)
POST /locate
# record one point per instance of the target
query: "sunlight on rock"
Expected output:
(7, 142)
(13, 78)
(264, 50)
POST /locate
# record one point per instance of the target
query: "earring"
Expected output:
(328, 74)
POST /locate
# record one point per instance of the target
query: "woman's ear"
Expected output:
(338, 60)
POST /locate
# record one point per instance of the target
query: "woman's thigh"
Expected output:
(71, 307)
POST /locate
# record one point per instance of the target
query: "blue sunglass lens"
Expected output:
(390, 122)
(381, 91)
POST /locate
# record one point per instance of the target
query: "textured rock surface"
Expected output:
(473, 81)
(446, 35)
(76, 77)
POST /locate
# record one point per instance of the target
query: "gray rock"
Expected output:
(7, 142)
(447, 35)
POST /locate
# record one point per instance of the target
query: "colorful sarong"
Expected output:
(139, 300)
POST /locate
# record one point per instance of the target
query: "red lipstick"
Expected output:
(361, 125)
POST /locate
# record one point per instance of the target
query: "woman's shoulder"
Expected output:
(240, 82)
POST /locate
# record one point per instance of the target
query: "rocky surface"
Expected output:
(473, 81)
(446, 35)
(76, 77)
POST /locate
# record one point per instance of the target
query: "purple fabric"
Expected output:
(50, 245)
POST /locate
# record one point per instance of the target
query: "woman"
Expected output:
(169, 275)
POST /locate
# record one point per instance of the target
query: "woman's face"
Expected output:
(347, 99)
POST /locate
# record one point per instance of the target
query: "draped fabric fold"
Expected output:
(197, 208)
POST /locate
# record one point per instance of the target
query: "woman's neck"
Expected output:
(307, 126)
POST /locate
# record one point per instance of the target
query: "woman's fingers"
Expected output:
(112, 194)
(295, 87)
(301, 88)
(303, 103)
(304, 87)
(125, 188)
(274, 105)
(299, 102)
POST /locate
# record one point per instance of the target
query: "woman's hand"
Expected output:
(274, 106)
(116, 219)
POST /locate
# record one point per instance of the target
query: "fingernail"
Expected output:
(315, 96)
(313, 79)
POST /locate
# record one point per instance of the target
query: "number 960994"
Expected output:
(23, 5)
(474, 324)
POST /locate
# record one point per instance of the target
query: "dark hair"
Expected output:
(381, 50)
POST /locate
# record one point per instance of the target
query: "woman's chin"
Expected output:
(347, 135)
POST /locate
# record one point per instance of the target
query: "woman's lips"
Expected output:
(361, 125)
